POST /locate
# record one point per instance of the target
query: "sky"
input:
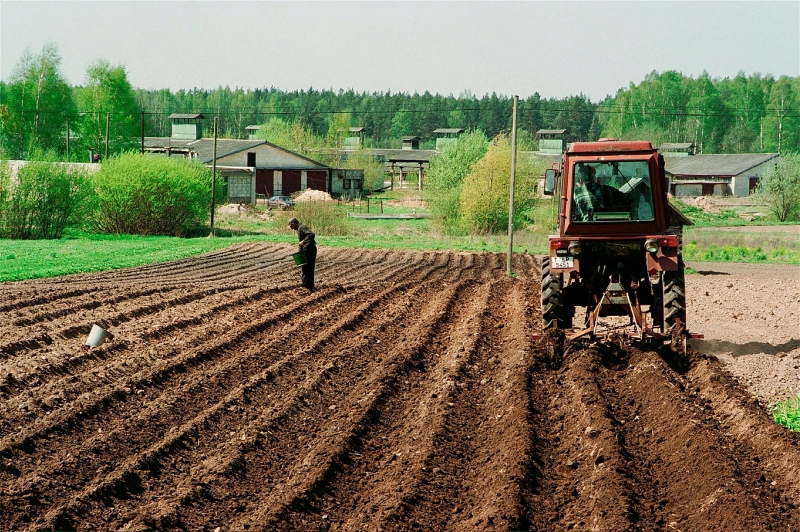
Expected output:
(555, 48)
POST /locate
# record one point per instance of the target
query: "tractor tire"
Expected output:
(674, 302)
(553, 308)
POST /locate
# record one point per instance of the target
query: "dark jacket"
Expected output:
(305, 236)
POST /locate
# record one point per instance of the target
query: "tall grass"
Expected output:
(322, 217)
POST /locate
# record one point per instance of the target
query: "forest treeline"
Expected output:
(748, 113)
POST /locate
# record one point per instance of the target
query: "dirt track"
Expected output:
(406, 393)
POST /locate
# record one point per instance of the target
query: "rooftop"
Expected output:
(187, 116)
(716, 164)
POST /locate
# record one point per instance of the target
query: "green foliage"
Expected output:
(780, 186)
(43, 199)
(146, 195)
(787, 413)
(374, 175)
(38, 102)
(485, 193)
(322, 217)
(292, 136)
(107, 92)
(446, 175)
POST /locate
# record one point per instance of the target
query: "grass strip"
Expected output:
(30, 259)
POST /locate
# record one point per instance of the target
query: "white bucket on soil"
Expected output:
(97, 336)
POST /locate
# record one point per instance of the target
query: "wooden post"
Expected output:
(419, 178)
(511, 186)
(108, 127)
(214, 176)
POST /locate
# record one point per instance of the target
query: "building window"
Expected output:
(346, 184)
(251, 159)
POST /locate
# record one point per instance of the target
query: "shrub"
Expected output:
(321, 217)
(780, 187)
(148, 195)
(43, 200)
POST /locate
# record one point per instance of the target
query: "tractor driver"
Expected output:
(590, 194)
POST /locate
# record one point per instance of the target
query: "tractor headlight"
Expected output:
(574, 248)
(651, 245)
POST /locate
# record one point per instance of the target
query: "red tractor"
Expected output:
(618, 248)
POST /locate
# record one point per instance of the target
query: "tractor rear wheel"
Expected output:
(674, 301)
(553, 309)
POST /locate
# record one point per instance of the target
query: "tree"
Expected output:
(401, 125)
(108, 92)
(485, 190)
(39, 103)
(782, 120)
(702, 125)
(780, 186)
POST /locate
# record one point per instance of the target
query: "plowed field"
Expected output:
(406, 393)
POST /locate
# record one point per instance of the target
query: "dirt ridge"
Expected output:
(407, 393)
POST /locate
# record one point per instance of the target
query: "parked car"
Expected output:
(280, 202)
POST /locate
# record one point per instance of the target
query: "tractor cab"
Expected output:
(618, 247)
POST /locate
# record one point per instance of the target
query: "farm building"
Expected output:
(446, 135)
(253, 168)
(717, 174)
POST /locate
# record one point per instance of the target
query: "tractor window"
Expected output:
(612, 191)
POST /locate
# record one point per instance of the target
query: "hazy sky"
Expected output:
(555, 48)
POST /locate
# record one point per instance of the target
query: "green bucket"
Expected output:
(299, 258)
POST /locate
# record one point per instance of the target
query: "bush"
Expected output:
(43, 200)
(321, 217)
(148, 195)
(446, 175)
(484, 196)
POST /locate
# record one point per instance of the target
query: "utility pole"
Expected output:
(511, 187)
(108, 126)
(214, 176)
(141, 131)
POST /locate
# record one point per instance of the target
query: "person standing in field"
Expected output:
(307, 245)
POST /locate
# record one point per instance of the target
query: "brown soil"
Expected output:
(407, 393)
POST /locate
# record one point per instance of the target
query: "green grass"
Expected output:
(787, 413)
(29, 259)
(715, 245)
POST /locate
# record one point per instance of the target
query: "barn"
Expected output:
(717, 174)
(253, 168)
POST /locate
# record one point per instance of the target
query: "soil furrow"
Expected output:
(405, 394)
(294, 385)
(131, 385)
(475, 483)
(404, 435)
